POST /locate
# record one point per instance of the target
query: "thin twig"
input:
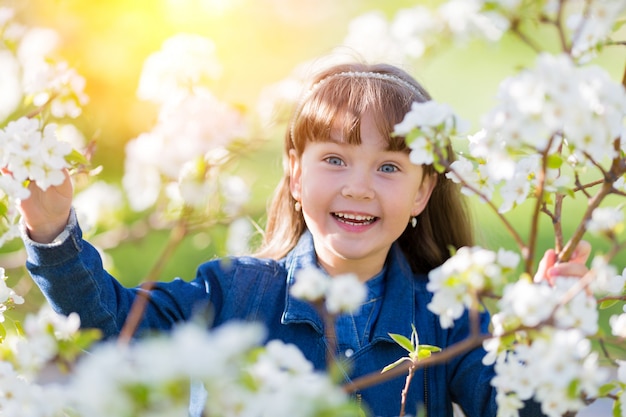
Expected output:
(534, 224)
(617, 170)
(40, 109)
(605, 351)
(330, 334)
(559, 27)
(525, 39)
(405, 390)
(140, 303)
(514, 234)
(583, 187)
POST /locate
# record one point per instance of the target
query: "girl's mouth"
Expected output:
(355, 219)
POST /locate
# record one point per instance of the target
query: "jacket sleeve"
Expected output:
(470, 380)
(71, 276)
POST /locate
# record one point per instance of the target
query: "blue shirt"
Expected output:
(70, 274)
(353, 329)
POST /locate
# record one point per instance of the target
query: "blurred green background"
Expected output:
(259, 42)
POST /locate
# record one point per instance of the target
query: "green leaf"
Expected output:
(76, 158)
(618, 24)
(439, 167)
(4, 207)
(423, 354)
(425, 351)
(572, 388)
(412, 135)
(403, 341)
(430, 348)
(3, 332)
(605, 389)
(569, 192)
(18, 328)
(617, 407)
(393, 365)
(554, 161)
(607, 304)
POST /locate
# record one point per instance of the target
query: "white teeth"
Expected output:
(356, 217)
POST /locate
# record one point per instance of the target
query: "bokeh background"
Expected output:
(259, 43)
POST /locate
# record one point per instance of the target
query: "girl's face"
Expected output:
(357, 199)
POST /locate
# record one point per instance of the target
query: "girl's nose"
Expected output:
(359, 186)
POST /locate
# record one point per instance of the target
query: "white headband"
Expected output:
(352, 74)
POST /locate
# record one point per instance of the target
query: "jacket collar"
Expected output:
(398, 305)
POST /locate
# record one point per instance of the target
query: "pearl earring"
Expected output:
(413, 222)
(297, 206)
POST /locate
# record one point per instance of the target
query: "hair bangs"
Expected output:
(333, 111)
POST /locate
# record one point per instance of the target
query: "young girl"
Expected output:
(350, 201)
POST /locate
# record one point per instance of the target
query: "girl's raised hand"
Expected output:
(549, 268)
(45, 213)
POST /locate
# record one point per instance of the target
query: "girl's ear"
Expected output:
(423, 194)
(295, 171)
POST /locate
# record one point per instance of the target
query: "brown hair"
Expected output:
(343, 94)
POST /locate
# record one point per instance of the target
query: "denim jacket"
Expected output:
(71, 276)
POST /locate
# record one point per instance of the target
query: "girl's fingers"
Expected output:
(581, 253)
(549, 268)
(568, 269)
(547, 262)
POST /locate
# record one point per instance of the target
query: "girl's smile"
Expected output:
(358, 220)
(357, 199)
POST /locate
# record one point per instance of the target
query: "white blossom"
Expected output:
(239, 233)
(422, 151)
(184, 61)
(278, 361)
(530, 303)
(36, 44)
(345, 294)
(7, 295)
(582, 102)
(580, 312)
(369, 35)
(236, 193)
(10, 84)
(98, 204)
(606, 220)
(411, 29)
(593, 24)
(428, 116)
(473, 179)
(240, 376)
(311, 284)
(618, 324)
(30, 153)
(434, 123)
(546, 369)
(465, 18)
(606, 279)
(185, 134)
(468, 272)
(58, 84)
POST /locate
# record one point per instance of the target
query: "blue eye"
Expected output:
(333, 160)
(389, 168)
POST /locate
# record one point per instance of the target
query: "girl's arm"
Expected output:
(69, 270)
(70, 274)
